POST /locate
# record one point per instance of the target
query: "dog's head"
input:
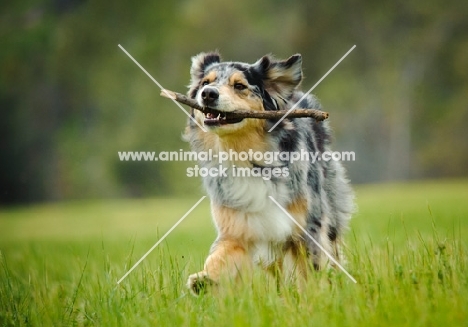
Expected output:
(267, 84)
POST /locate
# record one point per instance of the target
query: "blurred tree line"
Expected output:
(70, 99)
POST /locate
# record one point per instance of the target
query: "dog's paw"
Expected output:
(199, 282)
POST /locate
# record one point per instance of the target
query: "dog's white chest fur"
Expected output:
(257, 218)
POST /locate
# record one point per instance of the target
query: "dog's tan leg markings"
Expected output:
(298, 209)
(295, 251)
(224, 262)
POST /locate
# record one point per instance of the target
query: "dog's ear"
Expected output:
(200, 62)
(280, 78)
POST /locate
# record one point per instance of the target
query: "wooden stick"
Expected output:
(296, 113)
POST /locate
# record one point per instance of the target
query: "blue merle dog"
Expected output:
(251, 228)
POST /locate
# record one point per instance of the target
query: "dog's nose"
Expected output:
(209, 95)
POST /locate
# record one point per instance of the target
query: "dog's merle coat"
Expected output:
(250, 226)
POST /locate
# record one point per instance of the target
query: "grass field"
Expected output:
(59, 266)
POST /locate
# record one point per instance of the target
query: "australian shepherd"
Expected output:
(252, 229)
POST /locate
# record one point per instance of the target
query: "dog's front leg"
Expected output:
(226, 257)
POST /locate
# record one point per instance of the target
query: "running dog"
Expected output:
(251, 228)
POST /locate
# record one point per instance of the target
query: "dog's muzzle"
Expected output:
(209, 98)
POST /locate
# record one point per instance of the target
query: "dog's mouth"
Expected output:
(216, 118)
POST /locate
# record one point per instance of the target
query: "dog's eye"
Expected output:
(239, 86)
(205, 83)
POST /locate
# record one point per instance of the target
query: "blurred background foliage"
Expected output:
(70, 98)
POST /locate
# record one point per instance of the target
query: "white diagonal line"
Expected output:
(161, 239)
(313, 87)
(160, 86)
(313, 240)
